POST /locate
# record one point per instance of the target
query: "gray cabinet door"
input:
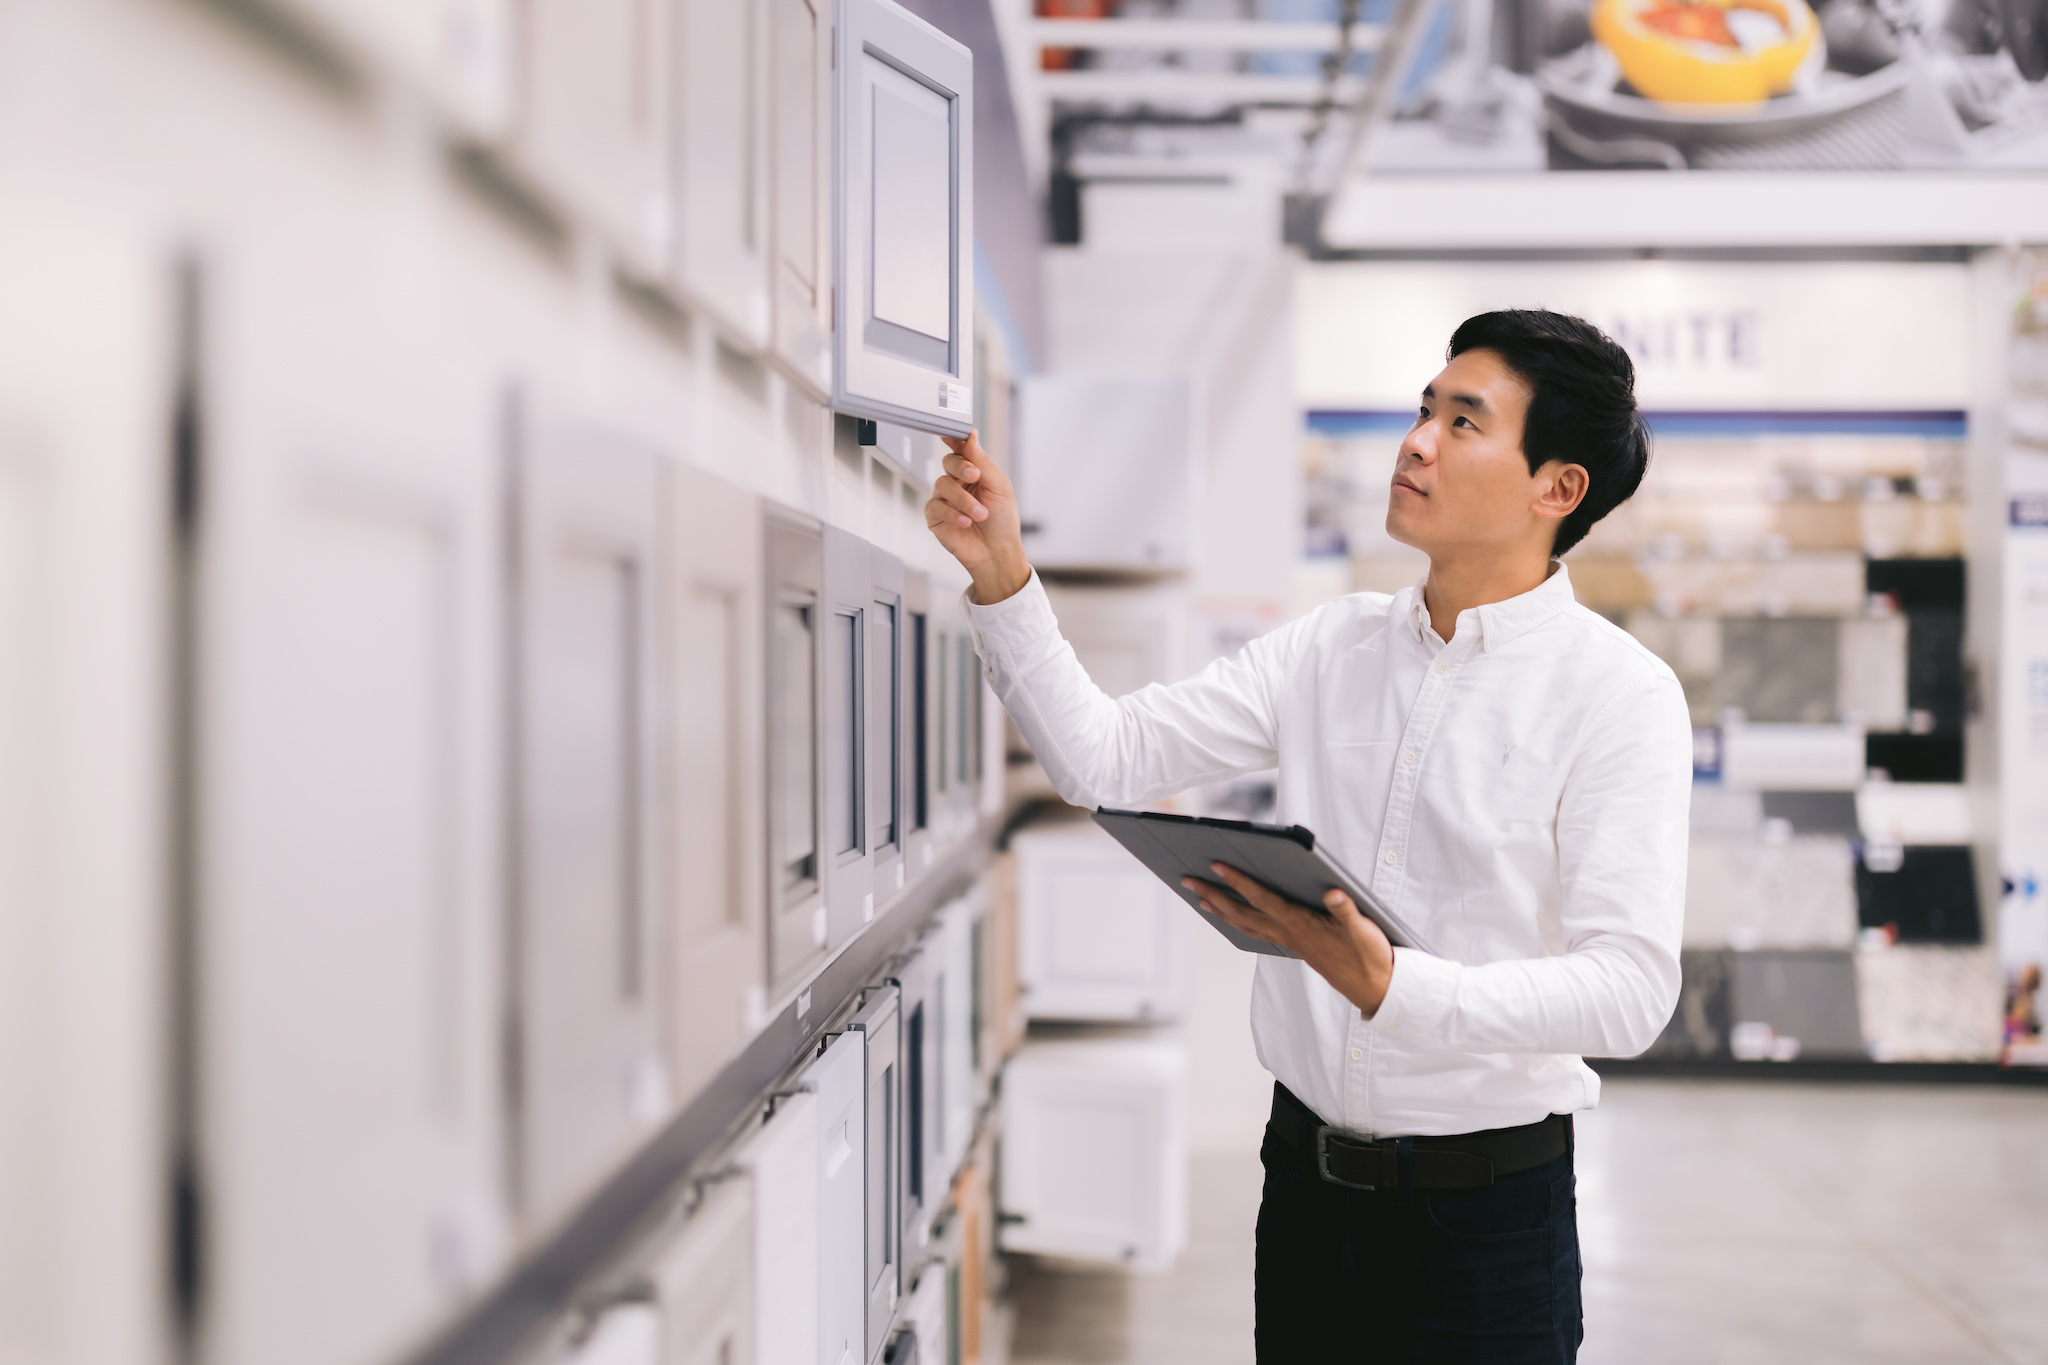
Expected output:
(794, 608)
(347, 781)
(713, 935)
(594, 115)
(721, 161)
(584, 838)
(839, 1079)
(800, 64)
(849, 604)
(903, 220)
(879, 1022)
(916, 723)
(885, 686)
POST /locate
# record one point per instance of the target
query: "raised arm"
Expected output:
(1096, 750)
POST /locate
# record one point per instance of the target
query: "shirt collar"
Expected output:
(1500, 622)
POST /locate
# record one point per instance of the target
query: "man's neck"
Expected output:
(1455, 584)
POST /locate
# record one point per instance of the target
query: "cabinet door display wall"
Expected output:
(590, 1075)
(904, 229)
(714, 940)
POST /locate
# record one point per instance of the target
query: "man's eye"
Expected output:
(1462, 422)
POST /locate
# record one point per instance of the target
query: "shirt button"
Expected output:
(1390, 859)
(1356, 1054)
(1409, 758)
(1442, 666)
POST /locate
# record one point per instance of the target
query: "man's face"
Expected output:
(1461, 481)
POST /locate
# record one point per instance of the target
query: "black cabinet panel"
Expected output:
(1934, 667)
(1915, 758)
(1930, 898)
(1918, 583)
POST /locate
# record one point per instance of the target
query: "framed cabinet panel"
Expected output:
(795, 612)
(349, 660)
(879, 1023)
(903, 221)
(782, 1158)
(885, 686)
(713, 938)
(839, 1079)
(848, 606)
(704, 1281)
(594, 115)
(800, 64)
(916, 723)
(721, 161)
(920, 980)
(585, 836)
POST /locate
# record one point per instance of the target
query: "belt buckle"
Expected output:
(1323, 1160)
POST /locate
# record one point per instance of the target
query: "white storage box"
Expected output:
(1095, 1163)
(1100, 937)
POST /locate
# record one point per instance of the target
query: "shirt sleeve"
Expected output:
(1126, 751)
(1621, 842)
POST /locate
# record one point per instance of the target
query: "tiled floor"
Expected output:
(1723, 1224)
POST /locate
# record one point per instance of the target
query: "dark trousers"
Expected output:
(1488, 1276)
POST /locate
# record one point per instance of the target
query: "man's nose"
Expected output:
(1421, 442)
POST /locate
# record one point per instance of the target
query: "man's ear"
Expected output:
(1560, 488)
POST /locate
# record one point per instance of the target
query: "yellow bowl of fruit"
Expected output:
(1708, 51)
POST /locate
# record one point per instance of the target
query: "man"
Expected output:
(1513, 774)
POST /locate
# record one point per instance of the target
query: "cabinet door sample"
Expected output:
(880, 1023)
(594, 115)
(782, 1158)
(585, 837)
(903, 221)
(348, 940)
(85, 372)
(704, 1280)
(1099, 938)
(1095, 1151)
(795, 610)
(800, 58)
(849, 602)
(458, 51)
(919, 976)
(713, 937)
(721, 164)
(916, 724)
(839, 1079)
(885, 686)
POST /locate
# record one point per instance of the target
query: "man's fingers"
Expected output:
(950, 491)
(1254, 892)
(937, 514)
(1241, 918)
(961, 468)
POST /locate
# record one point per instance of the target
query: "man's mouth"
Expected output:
(1402, 481)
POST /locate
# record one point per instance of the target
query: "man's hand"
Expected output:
(973, 512)
(1346, 949)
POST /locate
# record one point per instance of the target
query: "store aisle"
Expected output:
(1723, 1224)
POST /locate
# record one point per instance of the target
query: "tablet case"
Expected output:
(1283, 857)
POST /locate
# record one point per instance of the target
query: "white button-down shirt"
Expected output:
(1518, 795)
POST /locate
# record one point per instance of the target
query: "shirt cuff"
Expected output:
(1002, 630)
(1421, 994)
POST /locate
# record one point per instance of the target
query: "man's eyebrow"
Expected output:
(1467, 400)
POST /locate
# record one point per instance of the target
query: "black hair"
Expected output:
(1582, 405)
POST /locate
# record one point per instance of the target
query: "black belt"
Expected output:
(1468, 1161)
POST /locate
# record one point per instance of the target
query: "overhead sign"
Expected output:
(1717, 336)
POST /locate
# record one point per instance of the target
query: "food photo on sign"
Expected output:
(1754, 85)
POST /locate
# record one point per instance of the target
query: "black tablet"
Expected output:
(1283, 857)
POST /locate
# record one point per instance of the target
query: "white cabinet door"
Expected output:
(1100, 937)
(904, 221)
(849, 603)
(347, 934)
(879, 1023)
(714, 936)
(594, 115)
(1095, 1151)
(920, 982)
(956, 1101)
(585, 844)
(458, 51)
(839, 1079)
(885, 687)
(721, 196)
(782, 1158)
(704, 1281)
(796, 621)
(800, 59)
(86, 376)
